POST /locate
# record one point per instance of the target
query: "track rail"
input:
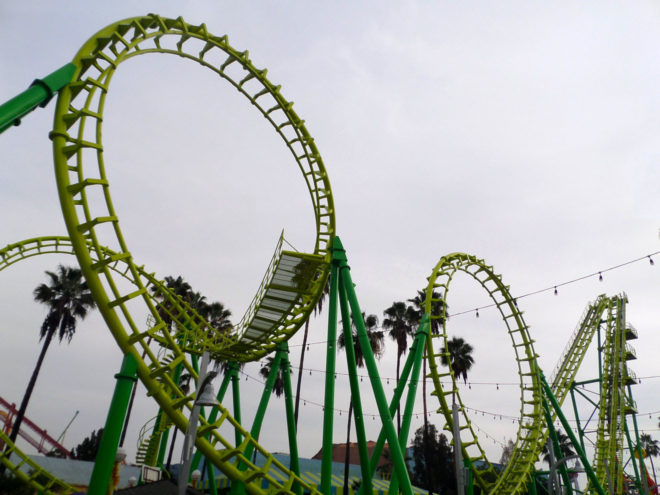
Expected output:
(516, 475)
(157, 374)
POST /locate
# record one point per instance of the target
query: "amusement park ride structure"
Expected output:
(159, 350)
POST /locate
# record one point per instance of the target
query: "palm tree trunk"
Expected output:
(300, 372)
(347, 456)
(28, 391)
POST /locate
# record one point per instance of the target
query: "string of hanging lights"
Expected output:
(553, 288)
(417, 415)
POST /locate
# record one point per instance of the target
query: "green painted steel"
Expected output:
(294, 464)
(238, 487)
(105, 459)
(420, 338)
(38, 94)
(286, 297)
(161, 373)
(28, 471)
(417, 356)
(529, 438)
(330, 366)
(80, 109)
(356, 400)
(398, 461)
(549, 396)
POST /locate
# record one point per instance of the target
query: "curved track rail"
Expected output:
(222, 452)
(93, 223)
(515, 477)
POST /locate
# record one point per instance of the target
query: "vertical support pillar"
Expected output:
(638, 448)
(349, 347)
(554, 450)
(374, 377)
(105, 459)
(236, 398)
(635, 450)
(577, 416)
(416, 355)
(549, 396)
(331, 355)
(294, 465)
(394, 404)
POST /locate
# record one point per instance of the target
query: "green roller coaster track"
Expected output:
(173, 335)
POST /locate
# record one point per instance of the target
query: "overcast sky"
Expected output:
(525, 133)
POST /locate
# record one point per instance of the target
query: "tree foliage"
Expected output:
(433, 462)
(89, 447)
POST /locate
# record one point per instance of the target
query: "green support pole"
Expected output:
(374, 377)
(210, 472)
(38, 94)
(239, 487)
(294, 464)
(638, 446)
(469, 480)
(331, 355)
(105, 459)
(578, 448)
(634, 448)
(394, 403)
(349, 347)
(577, 417)
(236, 397)
(418, 355)
(532, 485)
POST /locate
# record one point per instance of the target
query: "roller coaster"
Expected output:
(173, 337)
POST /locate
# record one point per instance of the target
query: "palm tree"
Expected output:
(458, 355)
(217, 316)
(565, 448)
(317, 310)
(377, 344)
(652, 450)
(68, 299)
(278, 386)
(177, 286)
(397, 321)
(438, 311)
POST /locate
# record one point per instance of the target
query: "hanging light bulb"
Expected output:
(477, 310)
(497, 385)
(600, 276)
(310, 372)
(555, 290)
(307, 347)
(651, 262)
